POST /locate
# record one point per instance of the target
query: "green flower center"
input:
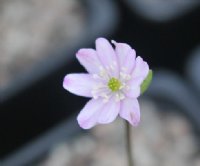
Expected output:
(114, 84)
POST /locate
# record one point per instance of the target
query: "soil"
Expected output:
(163, 138)
(31, 29)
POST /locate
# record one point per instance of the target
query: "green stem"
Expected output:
(128, 144)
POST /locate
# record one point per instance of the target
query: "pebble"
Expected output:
(31, 29)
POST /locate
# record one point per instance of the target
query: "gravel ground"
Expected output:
(31, 29)
(161, 139)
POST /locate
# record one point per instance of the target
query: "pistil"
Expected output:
(114, 84)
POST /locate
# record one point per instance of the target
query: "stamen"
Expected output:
(112, 67)
(125, 76)
(119, 96)
(104, 74)
(109, 86)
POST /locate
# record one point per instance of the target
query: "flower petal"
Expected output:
(79, 84)
(134, 87)
(88, 116)
(89, 59)
(109, 112)
(126, 56)
(141, 68)
(107, 55)
(130, 110)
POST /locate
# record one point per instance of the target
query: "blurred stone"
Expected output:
(32, 29)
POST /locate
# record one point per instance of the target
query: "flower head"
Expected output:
(113, 82)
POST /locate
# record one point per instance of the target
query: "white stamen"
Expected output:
(112, 67)
(121, 96)
(102, 90)
(125, 76)
(127, 87)
(122, 86)
(128, 77)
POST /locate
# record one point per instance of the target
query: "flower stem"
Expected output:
(128, 144)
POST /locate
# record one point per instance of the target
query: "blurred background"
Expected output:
(38, 42)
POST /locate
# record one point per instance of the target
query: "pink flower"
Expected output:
(113, 82)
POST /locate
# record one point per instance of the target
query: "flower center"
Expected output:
(114, 84)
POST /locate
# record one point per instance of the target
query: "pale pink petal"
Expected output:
(130, 110)
(126, 56)
(141, 68)
(89, 59)
(109, 112)
(107, 55)
(89, 115)
(139, 74)
(133, 90)
(79, 84)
